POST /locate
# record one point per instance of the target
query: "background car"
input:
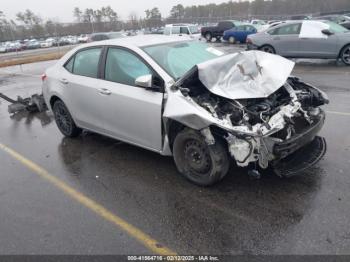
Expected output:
(182, 29)
(155, 31)
(33, 44)
(47, 43)
(105, 36)
(3, 48)
(331, 42)
(83, 38)
(210, 32)
(239, 33)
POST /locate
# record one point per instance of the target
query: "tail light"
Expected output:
(43, 77)
(249, 41)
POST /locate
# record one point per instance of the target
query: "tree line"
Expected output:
(27, 24)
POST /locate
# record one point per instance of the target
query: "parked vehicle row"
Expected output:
(29, 44)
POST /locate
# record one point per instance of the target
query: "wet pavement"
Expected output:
(308, 214)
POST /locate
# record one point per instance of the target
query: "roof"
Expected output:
(142, 40)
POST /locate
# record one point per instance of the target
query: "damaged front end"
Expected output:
(265, 115)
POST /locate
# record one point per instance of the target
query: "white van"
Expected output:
(183, 29)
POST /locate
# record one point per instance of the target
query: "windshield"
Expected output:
(335, 28)
(178, 58)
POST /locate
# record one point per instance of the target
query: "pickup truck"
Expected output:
(217, 31)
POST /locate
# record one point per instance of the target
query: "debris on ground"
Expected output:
(35, 103)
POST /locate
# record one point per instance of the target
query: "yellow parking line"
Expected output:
(339, 113)
(134, 232)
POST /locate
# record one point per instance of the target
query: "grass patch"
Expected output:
(31, 59)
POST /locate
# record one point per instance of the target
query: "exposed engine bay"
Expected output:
(258, 124)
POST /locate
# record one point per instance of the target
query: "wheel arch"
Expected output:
(174, 127)
(342, 48)
(261, 46)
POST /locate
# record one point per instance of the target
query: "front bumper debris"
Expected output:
(288, 147)
(302, 159)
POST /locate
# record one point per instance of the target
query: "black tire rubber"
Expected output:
(208, 36)
(263, 48)
(342, 52)
(212, 165)
(64, 120)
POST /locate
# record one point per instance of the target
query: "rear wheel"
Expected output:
(201, 164)
(208, 36)
(268, 49)
(345, 55)
(64, 120)
(231, 40)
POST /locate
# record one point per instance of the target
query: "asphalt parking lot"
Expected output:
(137, 196)
(33, 52)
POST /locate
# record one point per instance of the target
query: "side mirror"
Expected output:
(144, 81)
(327, 32)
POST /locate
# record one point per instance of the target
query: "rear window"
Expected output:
(85, 62)
(293, 29)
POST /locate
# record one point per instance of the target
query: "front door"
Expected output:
(132, 114)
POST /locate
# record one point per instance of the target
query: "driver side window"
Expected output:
(124, 67)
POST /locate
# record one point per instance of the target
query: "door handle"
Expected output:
(104, 91)
(64, 81)
(276, 38)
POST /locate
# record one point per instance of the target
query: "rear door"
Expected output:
(81, 88)
(285, 39)
(132, 114)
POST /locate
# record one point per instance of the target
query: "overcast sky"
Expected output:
(63, 9)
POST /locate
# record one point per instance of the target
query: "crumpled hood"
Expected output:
(244, 75)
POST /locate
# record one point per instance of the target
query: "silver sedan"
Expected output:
(186, 99)
(321, 39)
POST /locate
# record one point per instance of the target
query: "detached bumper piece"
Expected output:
(35, 103)
(302, 159)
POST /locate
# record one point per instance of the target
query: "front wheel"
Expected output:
(64, 120)
(345, 55)
(268, 49)
(200, 163)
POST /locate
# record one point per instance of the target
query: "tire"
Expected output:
(203, 165)
(345, 55)
(231, 40)
(64, 120)
(208, 36)
(268, 49)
